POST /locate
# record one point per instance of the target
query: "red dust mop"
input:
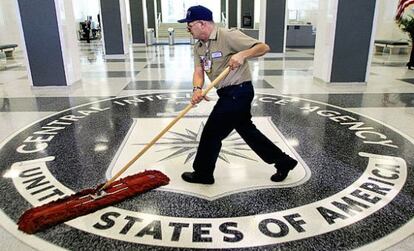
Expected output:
(90, 200)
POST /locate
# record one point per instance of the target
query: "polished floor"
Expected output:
(353, 187)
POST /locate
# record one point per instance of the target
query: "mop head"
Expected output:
(89, 201)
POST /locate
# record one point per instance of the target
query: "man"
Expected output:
(216, 49)
(86, 30)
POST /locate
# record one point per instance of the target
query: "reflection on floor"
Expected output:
(352, 188)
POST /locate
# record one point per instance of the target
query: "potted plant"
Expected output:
(407, 25)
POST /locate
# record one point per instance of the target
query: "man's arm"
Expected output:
(198, 76)
(198, 82)
(239, 58)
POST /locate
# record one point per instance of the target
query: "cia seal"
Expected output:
(352, 188)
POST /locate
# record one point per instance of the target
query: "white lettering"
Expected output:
(327, 113)
(342, 118)
(35, 148)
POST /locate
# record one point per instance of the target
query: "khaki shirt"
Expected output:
(222, 44)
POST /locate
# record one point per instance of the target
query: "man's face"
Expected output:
(194, 28)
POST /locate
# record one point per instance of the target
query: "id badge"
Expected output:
(207, 65)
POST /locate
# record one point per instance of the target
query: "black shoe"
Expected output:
(192, 177)
(283, 168)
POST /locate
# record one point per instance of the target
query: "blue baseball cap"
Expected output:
(197, 12)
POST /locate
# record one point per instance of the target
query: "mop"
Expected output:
(112, 192)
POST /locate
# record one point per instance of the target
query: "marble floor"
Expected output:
(353, 188)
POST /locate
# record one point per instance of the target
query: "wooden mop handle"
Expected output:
(156, 138)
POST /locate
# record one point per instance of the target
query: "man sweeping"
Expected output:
(216, 49)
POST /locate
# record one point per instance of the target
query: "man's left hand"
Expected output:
(198, 97)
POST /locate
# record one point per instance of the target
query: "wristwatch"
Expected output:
(195, 88)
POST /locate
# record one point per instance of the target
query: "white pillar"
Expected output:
(344, 40)
(67, 33)
(325, 36)
(115, 28)
(49, 42)
(124, 24)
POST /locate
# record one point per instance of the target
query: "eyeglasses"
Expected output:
(190, 26)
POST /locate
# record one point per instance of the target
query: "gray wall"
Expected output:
(41, 35)
(137, 21)
(300, 36)
(275, 24)
(112, 28)
(232, 14)
(247, 9)
(352, 40)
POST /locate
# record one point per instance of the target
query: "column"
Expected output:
(151, 15)
(273, 24)
(232, 13)
(223, 4)
(50, 42)
(159, 9)
(114, 27)
(344, 40)
(9, 30)
(136, 8)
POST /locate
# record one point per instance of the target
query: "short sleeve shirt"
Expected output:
(222, 44)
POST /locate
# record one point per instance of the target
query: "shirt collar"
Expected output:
(213, 34)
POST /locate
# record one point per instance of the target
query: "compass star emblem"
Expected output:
(238, 169)
(187, 143)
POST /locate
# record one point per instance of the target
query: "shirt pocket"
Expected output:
(219, 62)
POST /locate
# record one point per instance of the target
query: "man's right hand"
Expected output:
(198, 97)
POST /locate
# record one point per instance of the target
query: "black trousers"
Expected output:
(411, 62)
(232, 111)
